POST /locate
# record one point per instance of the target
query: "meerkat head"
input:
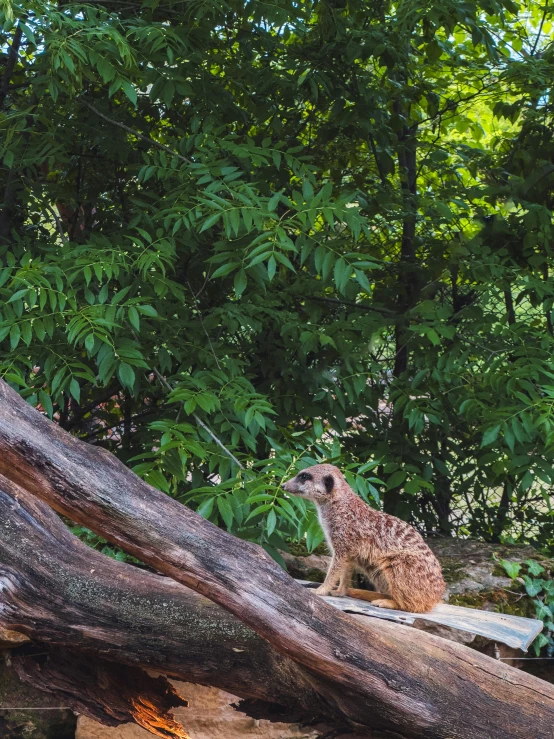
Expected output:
(317, 483)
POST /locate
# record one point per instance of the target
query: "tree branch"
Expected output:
(74, 597)
(11, 61)
(199, 421)
(539, 32)
(136, 133)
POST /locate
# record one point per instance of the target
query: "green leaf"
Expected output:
(17, 295)
(362, 280)
(210, 221)
(512, 568)
(147, 310)
(271, 267)
(540, 642)
(273, 201)
(533, 587)
(26, 332)
(15, 334)
(75, 390)
(271, 522)
(225, 269)
(130, 91)
(533, 567)
(396, 479)
(225, 510)
(490, 435)
(158, 480)
(46, 403)
(126, 375)
(314, 536)
(134, 318)
(89, 343)
(206, 507)
(240, 282)
(341, 274)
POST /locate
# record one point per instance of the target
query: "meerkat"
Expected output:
(388, 550)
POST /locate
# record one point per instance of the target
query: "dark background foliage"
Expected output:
(237, 238)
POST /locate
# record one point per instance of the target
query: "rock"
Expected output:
(312, 567)
(472, 566)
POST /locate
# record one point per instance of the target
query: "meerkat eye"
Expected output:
(304, 477)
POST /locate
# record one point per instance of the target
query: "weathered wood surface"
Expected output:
(59, 592)
(515, 631)
(110, 693)
(377, 675)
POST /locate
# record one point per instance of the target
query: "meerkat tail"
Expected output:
(364, 594)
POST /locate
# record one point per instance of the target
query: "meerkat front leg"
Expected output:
(345, 579)
(333, 576)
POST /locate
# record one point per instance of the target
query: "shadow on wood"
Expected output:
(110, 693)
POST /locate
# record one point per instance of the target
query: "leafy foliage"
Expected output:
(539, 586)
(292, 232)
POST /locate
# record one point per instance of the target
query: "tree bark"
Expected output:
(11, 61)
(377, 676)
(110, 693)
(74, 597)
(408, 275)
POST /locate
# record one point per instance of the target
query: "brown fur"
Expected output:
(389, 550)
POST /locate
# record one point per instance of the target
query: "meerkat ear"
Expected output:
(329, 483)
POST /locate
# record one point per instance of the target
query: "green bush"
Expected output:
(269, 234)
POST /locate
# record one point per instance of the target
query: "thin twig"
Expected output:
(359, 306)
(58, 223)
(199, 421)
(539, 32)
(204, 328)
(35, 708)
(101, 429)
(137, 133)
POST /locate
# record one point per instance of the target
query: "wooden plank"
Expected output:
(515, 631)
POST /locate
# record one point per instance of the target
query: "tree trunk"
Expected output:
(377, 676)
(74, 597)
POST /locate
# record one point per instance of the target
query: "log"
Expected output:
(60, 593)
(110, 693)
(377, 676)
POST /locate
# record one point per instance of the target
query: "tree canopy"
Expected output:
(237, 238)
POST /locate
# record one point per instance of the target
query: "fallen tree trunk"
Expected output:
(377, 676)
(59, 592)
